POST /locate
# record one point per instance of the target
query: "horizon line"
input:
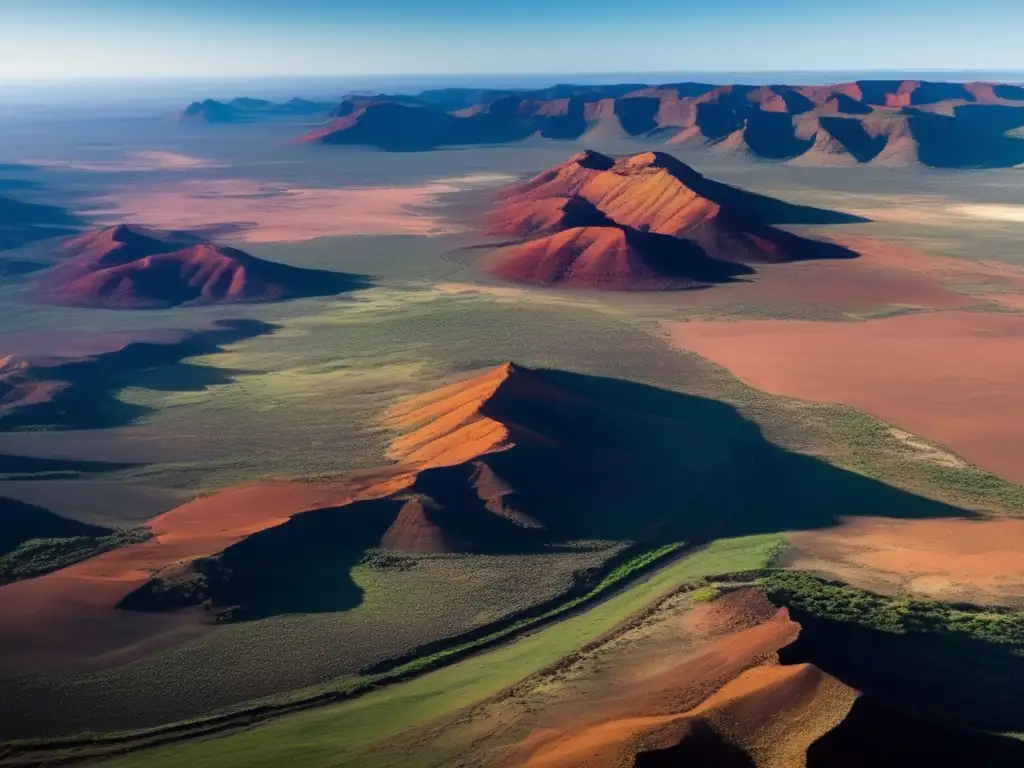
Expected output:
(434, 75)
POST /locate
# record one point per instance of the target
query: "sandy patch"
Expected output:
(931, 210)
(991, 212)
(142, 160)
(952, 377)
(477, 179)
(263, 212)
(979, 561)
(926, 451)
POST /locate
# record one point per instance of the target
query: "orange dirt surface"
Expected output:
(262, 212)
(122, 267)
(979, 561)
(447, 426)
(883, 275)
(952, 377)
(993, 281)
(67, 619)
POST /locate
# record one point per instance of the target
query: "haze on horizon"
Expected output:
(70, 39)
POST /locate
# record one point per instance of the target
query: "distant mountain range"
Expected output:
(882, 122)
(243, 110)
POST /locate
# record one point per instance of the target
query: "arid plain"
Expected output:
(602, 450)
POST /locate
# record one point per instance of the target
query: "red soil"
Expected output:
(131, 268)
(593, 257)
(952, 377)
(67, 619)
(978, 561)
(413, 531)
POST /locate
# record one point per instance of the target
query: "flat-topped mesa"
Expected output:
(131, 267)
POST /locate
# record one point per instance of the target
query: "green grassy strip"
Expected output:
(344, 734)
(36, 557)
(900, 615)
(613, 578)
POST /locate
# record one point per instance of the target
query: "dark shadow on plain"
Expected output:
(301, 566)
(701, 747)
(90, 400)
(978, 141)
(22, 223)
(21, 522)
(875, 735)
(34, 467)
(943, 677)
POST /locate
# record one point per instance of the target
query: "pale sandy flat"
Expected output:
(952, 377)
(244, 210)
(980, 561)
(137, 161)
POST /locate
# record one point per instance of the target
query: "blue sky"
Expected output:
(187, 38)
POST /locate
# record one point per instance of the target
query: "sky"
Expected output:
(223, 38)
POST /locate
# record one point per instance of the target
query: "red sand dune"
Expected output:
(647, 221)
(67, 619)
(952, 377)
(729, 693)
(124, 267)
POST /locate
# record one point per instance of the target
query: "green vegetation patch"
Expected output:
(36, 557)
(705, 594)
(839, 602)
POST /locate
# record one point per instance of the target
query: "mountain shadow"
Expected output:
(638, 114)
(22, 223)
(301, 566)
(702, 746)
(36, 467)
(536, 460)
(21, 522)
(950, 678)
(772, 135)
(876, 735)
(974, 142)
(854, 137)
(86, 393)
